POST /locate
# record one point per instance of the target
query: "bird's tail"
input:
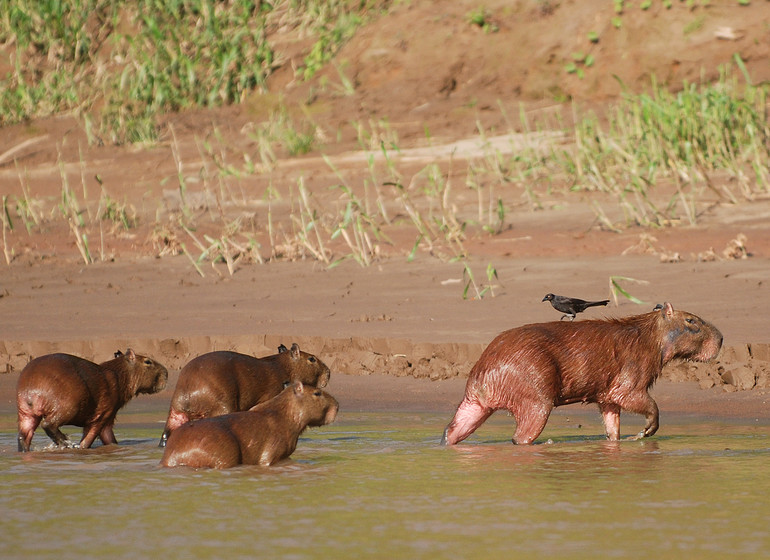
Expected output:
(597, 303)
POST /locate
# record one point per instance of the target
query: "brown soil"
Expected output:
(423, 68)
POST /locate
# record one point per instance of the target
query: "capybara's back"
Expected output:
(221, 382)
(262, 435)
(61, 389)
(531, 369)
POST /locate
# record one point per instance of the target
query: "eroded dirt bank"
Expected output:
(398, 319)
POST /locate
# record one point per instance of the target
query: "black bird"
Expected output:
(571, 306)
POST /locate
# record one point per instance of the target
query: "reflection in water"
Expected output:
(380, 486)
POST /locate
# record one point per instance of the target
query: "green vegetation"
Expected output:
(120, 64)
(681, 138)
(482, 18)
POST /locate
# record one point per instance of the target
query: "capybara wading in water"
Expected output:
(60, 389)
(262, 435)
(222, 382)
(531, 369)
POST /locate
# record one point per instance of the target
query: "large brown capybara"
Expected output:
(531, 369)
(262, 435)
(59, 389)
(222, 382)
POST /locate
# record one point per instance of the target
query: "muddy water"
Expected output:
(378, 486)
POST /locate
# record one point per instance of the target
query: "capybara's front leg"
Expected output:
(89, 435)
(469, 416)
(611, 418)
(652, 420)
(107, 435)
(643, 403)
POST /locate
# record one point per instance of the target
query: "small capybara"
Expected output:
(262, 435)
(531, 369)
(59, 389)
(222, 382)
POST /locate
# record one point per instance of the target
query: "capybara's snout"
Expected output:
(161, 380)
(323, 378)
(331, 414)
(712, 346)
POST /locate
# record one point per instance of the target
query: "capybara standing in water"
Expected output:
(262, 435)
(60, 389)
(222, 382)
(531, 369)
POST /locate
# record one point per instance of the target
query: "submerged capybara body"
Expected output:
(221, 382)
(60, 389)
(262, 435)
(531, 369)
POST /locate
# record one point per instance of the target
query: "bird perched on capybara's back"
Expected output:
(571, 306)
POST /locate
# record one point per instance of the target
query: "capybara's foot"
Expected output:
(163, 440)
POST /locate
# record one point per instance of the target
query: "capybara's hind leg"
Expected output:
(27, 427)
(469, 416)
(530, 424)
(611, 418)
(57, 436)
(175, 419)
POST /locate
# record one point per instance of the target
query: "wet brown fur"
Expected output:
(61, 389)
(263, 435)
(531, 369)
(222, 382)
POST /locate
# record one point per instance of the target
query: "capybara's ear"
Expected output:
(282, 349)
(298, 388)
(668, 310)
(295, 351)
(118, 354)
(130, 355)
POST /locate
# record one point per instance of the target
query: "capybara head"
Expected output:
(304, 367)
(146, 375)
(315, 406)
(686, 336)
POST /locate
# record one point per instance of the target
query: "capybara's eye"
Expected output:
(311, 359)
(147, 362)
(317, 393)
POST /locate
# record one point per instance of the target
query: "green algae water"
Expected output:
(376, 485)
